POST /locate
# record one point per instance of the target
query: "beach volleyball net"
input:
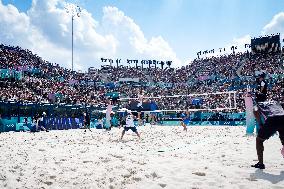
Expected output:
(217, 101)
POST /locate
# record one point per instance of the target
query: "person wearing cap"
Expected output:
(270, 117)
(129, 124)
(260, 96)
(261, 90)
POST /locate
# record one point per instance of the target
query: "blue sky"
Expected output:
(188, 25)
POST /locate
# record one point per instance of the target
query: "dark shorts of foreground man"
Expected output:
(272, 124)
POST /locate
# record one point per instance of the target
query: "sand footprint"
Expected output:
(162, 185)
(199, 174)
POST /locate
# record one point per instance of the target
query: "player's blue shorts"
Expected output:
(186, 121)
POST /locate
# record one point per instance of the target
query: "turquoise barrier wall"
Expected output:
(50, 124)
(13, 125)
(9, 124)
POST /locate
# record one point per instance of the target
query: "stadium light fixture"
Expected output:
(74, 11)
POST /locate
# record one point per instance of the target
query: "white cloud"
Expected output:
(131, 39)
(13, 24)
(46, 30)
(276, 25)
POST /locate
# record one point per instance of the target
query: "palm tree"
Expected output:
(155, 63)
(233, 48)
(169, 63)
(136, 62)
(162, 64)
(149, 62)
(142, 62)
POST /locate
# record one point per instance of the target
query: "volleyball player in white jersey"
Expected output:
(129, 124)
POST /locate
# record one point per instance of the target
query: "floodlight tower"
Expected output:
(74, 11)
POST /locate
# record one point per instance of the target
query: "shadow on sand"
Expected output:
(274, 179)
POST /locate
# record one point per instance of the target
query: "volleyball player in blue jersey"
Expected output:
(185, 116)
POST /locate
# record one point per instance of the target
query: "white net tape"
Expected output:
(217, 101)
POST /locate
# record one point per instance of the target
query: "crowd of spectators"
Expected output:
(45, 82)
(271, 63)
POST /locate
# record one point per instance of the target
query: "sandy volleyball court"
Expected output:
(166, 157)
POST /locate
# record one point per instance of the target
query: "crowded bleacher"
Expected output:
(27, 78)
